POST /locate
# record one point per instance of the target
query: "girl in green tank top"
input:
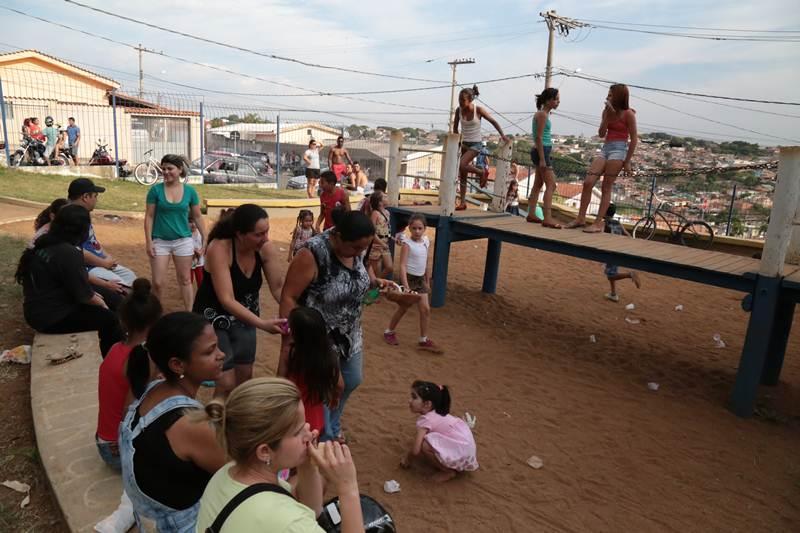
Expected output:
(540, 156)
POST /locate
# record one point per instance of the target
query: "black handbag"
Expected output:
(376, 518)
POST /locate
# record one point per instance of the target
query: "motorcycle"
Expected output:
(101, 157)
(29, 152)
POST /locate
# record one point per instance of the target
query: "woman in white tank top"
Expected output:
(469, 116)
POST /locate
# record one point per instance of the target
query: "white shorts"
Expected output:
(179, 247)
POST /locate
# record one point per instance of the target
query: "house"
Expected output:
(40, 85)
(299, 133)
(424, 164)
(568, 194)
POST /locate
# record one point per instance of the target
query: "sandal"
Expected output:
(461, 207)
(575, 224)
(534, 219)
(70, 352)
(592, 229)
(551, 225)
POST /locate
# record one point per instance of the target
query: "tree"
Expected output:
(234, 119)
(217, 122)
(252, 118)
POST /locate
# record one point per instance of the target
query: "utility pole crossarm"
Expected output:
(453, 64)
(563, 25)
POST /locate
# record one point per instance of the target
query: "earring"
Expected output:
(268, 461)
(180, 377)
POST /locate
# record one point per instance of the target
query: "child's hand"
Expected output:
(273, 325)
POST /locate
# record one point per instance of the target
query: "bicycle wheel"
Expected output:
(644, 228)
(696, 234)
(145, 173)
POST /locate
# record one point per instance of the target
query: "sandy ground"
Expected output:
(617, 456)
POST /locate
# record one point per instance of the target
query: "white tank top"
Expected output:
(417, 255)
(471, 129)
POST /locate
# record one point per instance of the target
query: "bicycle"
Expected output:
(149, 172)
(689, 232)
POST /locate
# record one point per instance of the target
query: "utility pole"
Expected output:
(141, 49)
(453, 64)
(563, 25)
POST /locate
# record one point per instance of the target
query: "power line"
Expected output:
(174, 31)
(689, 27)
(711, 37)
(571, 74)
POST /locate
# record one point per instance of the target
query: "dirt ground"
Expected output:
(617, 455)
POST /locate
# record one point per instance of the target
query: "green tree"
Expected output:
(217, 122)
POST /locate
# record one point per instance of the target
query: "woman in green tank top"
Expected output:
(540, 156)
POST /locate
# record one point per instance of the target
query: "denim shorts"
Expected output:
(476, 146)
(238, 343)
(614, 151)
(611, 270)
(535, 156)
(109, 453)
(179, 247)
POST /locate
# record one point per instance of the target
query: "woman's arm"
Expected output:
(302, 271)
(630, 120)
(273, 273)
(490, 119)
(540, 118)
(456, 119)
(306, 158)
(309, 486)
(149, 216)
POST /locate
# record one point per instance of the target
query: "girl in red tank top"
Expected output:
(618, 127)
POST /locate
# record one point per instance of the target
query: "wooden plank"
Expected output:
(743, 266)
(713, 262)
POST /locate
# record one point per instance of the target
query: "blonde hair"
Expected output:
(259, 411)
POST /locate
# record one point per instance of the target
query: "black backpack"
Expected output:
(376, 519)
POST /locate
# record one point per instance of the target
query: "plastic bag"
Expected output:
(20, 355)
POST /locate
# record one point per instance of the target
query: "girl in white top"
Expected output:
(469, 116)
(415, 275)
(311, 159)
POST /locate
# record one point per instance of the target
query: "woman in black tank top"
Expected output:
(238, 257)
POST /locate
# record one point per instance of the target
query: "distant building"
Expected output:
(38, 85)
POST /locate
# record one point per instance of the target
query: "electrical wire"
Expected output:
(688, 27)
(174, 31)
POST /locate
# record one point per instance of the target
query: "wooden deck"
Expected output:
(771, 299)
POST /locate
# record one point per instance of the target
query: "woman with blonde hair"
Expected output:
(263, 426)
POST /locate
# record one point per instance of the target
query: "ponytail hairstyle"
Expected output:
(299, 223)
(471, 94)
(259, 411)
(47, 214)
(176, 160)
(545, 96)
(438, 395)
(141, 308)
(242, 220)
(173, 335)
(352, 225)
(311, 357)
(375, 200)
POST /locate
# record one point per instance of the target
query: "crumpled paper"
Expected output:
(24, 488)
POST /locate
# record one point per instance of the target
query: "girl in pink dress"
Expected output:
(442, 440)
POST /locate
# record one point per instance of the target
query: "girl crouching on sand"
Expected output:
(415, 275)
(443, 440)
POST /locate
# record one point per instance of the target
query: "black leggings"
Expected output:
(89, 318)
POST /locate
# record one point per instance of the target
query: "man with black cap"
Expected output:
(83, 192)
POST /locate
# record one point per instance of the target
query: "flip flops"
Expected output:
(68, 354)
(552, 225)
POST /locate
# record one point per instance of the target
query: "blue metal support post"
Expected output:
(778, 340)
(441, 260)
(202, 143)
(756, 345)
(116, 141)
(492, 267)
(5, 129)
(278, 150)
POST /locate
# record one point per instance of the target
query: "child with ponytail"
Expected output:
(442, 440)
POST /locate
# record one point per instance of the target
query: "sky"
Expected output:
(415, 38)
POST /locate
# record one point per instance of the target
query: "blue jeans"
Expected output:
(352, 373)
(109, 453)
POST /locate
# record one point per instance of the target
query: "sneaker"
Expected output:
(430, 346)
(611, 296)
(391, 338)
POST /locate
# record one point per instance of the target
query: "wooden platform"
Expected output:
(772, 300)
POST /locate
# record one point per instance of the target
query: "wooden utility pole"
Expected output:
(453, 64)
(563, 25)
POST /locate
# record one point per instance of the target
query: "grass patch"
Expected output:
(120, 195)
(10, 292)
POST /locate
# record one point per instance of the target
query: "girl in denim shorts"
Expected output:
(540, 156)
(618, 126)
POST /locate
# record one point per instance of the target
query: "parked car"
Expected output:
(259, 160)
(300, 182)
(226, 170)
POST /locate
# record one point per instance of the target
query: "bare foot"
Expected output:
(594, 228)
(636, 280)
(575, 224)
(551, 224)
(441, 477)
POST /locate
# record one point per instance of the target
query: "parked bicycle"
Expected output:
(689, 232)
(149, 172)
